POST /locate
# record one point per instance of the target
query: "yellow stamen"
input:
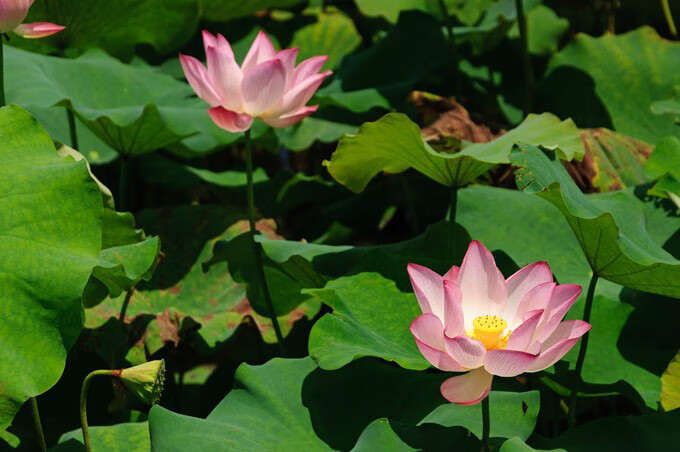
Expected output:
(488, 330)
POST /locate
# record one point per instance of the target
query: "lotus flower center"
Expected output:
(488, 330)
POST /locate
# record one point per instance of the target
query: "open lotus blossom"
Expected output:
(13, 13)
(476, 321)
(268, 85)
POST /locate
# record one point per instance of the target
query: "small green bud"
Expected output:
(145, 381)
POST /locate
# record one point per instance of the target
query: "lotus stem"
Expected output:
(526, 59)
(486, 424)
(38, 424)
(123, 183)
(257, 250)
(582, 352)
(83, 404)
(72, 128)
(453, 205)
(669, 18)
(452, 43)
(451, 218)
(126, 302)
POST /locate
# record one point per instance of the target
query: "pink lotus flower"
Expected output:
(476, 320)
(267, 85)
(13, 12)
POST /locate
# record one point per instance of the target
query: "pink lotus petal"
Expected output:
(37, 30)
(559, 343)
(263, 86)
(467, 389)
(308, 68)
(288, 57)
(507, 363)
(569, 329)
(483, 285)
(299, 94)
(225, 76)
(535, 348)
(522, 282)
(197, 76)
(439, 359)
(261, 50)
(428, 332)
(428, 329)
(466, 351)
(523, 336)
(536, 298)
(291, 118)
(452, 274)
(454, 319)
(229, 120)
(428, 287)
(218, 42)
(209, 40)
(12, 13)
(563, 298)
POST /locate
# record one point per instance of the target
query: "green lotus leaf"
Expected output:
(181, 296)
(611, 228)
(224, 10)
(394, 144)
(669, 106)
(664, 165)
(117, 26)
(265, 412)
(127, 256)
(619, 434)
(332, 33)
(517, 445)
(51, 233)
(371, 317)
(640, 60)
(132, 109)
(547, 28)
(670, 385)
(377, 77)
(292, 404)
(129, 437)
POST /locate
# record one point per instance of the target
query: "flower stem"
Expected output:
(83, 404)
(486, 424)
(669, 18)
(452, 43)
(451, 218)
(123, 183)
(453, 205)
(526, 60)
(38, 424)
(257, 250)
(2, 74)
(126, 302)
(72, 128)
(582, 352)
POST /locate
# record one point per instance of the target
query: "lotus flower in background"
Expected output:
(13, 13)
(268, 85)
(476, 321)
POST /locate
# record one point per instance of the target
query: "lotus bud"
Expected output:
(13, 13)
(145, 381)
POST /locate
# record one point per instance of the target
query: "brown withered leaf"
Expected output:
(266, 226)
(445, 120)
(612, 161)
(168, 326)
